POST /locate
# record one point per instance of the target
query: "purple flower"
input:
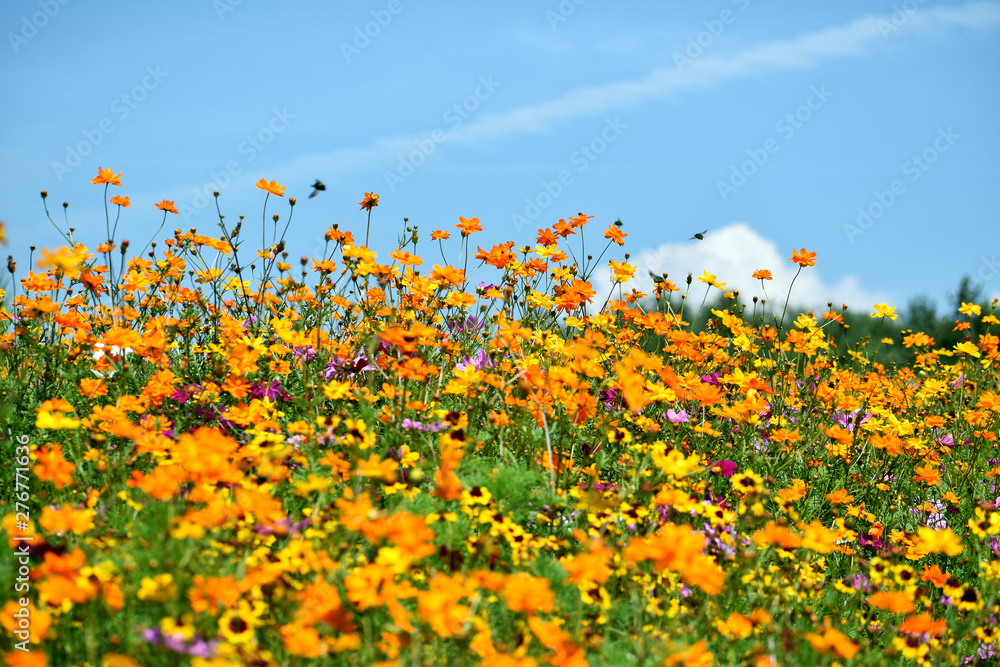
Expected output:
(359, 364)
(271, 391)
(677, 417)
(468, 324)
(304, 352)
(712, 378)
(480, 361)
(725, 468)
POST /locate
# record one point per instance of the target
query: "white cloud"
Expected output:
(859, 37)
(732, 254)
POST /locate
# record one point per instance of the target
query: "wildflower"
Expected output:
(747, 483)
(120, 201)
(369, 202)
(969, 309)
(803, 257)
(168, 206)
(710, 280)
(929, 474)
(527, 594)
(898, 602)
(271, 187)
(839, 497)
(468, 227)
(612, 233)
(762, 274)
(833, 641)
(939, 541)
(52, 467)
(107, 176)
(884, 310)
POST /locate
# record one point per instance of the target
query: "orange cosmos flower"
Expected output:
(833, 641)
(528, 594)
(120, 201)
(272, 187)
(405, 258)
(929, 474)
(52, 466)
(107, 176)
(615, 234)
(898, 602)
(762, 274)
(469, 226)
(440, 235)
(803, 257)
(370, 201)
(839, 497)
(167, 205)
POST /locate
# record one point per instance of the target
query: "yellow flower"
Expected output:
(159, 588)
(710, 280)
(884, 310)
(939, 541)
(970, 309)
(55, 421)
(271, 187)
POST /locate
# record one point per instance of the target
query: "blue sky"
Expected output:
(864, 131)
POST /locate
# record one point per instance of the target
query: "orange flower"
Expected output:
(469, 226)
(107, 176)
(898, 602)
(762, 274)
(833, 641)
(803, 257)
(528, 594)
(52, 467)
(934, 575)
(369, 202)
(120, 201)
(696, 655)
(16, 658)
(839, 497)
(168, 206)
(775, 534)
(271, 187)
(615, 235)
(405, 258)
(923, 624)
(928, 473)
(440, 235)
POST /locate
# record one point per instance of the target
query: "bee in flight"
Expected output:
(698, 236)
(317, 188)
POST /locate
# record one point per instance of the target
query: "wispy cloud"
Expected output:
(861, 37)
(732, 254)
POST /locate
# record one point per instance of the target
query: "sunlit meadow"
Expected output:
(222, 455)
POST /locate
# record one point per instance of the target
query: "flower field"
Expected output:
(220, 455)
